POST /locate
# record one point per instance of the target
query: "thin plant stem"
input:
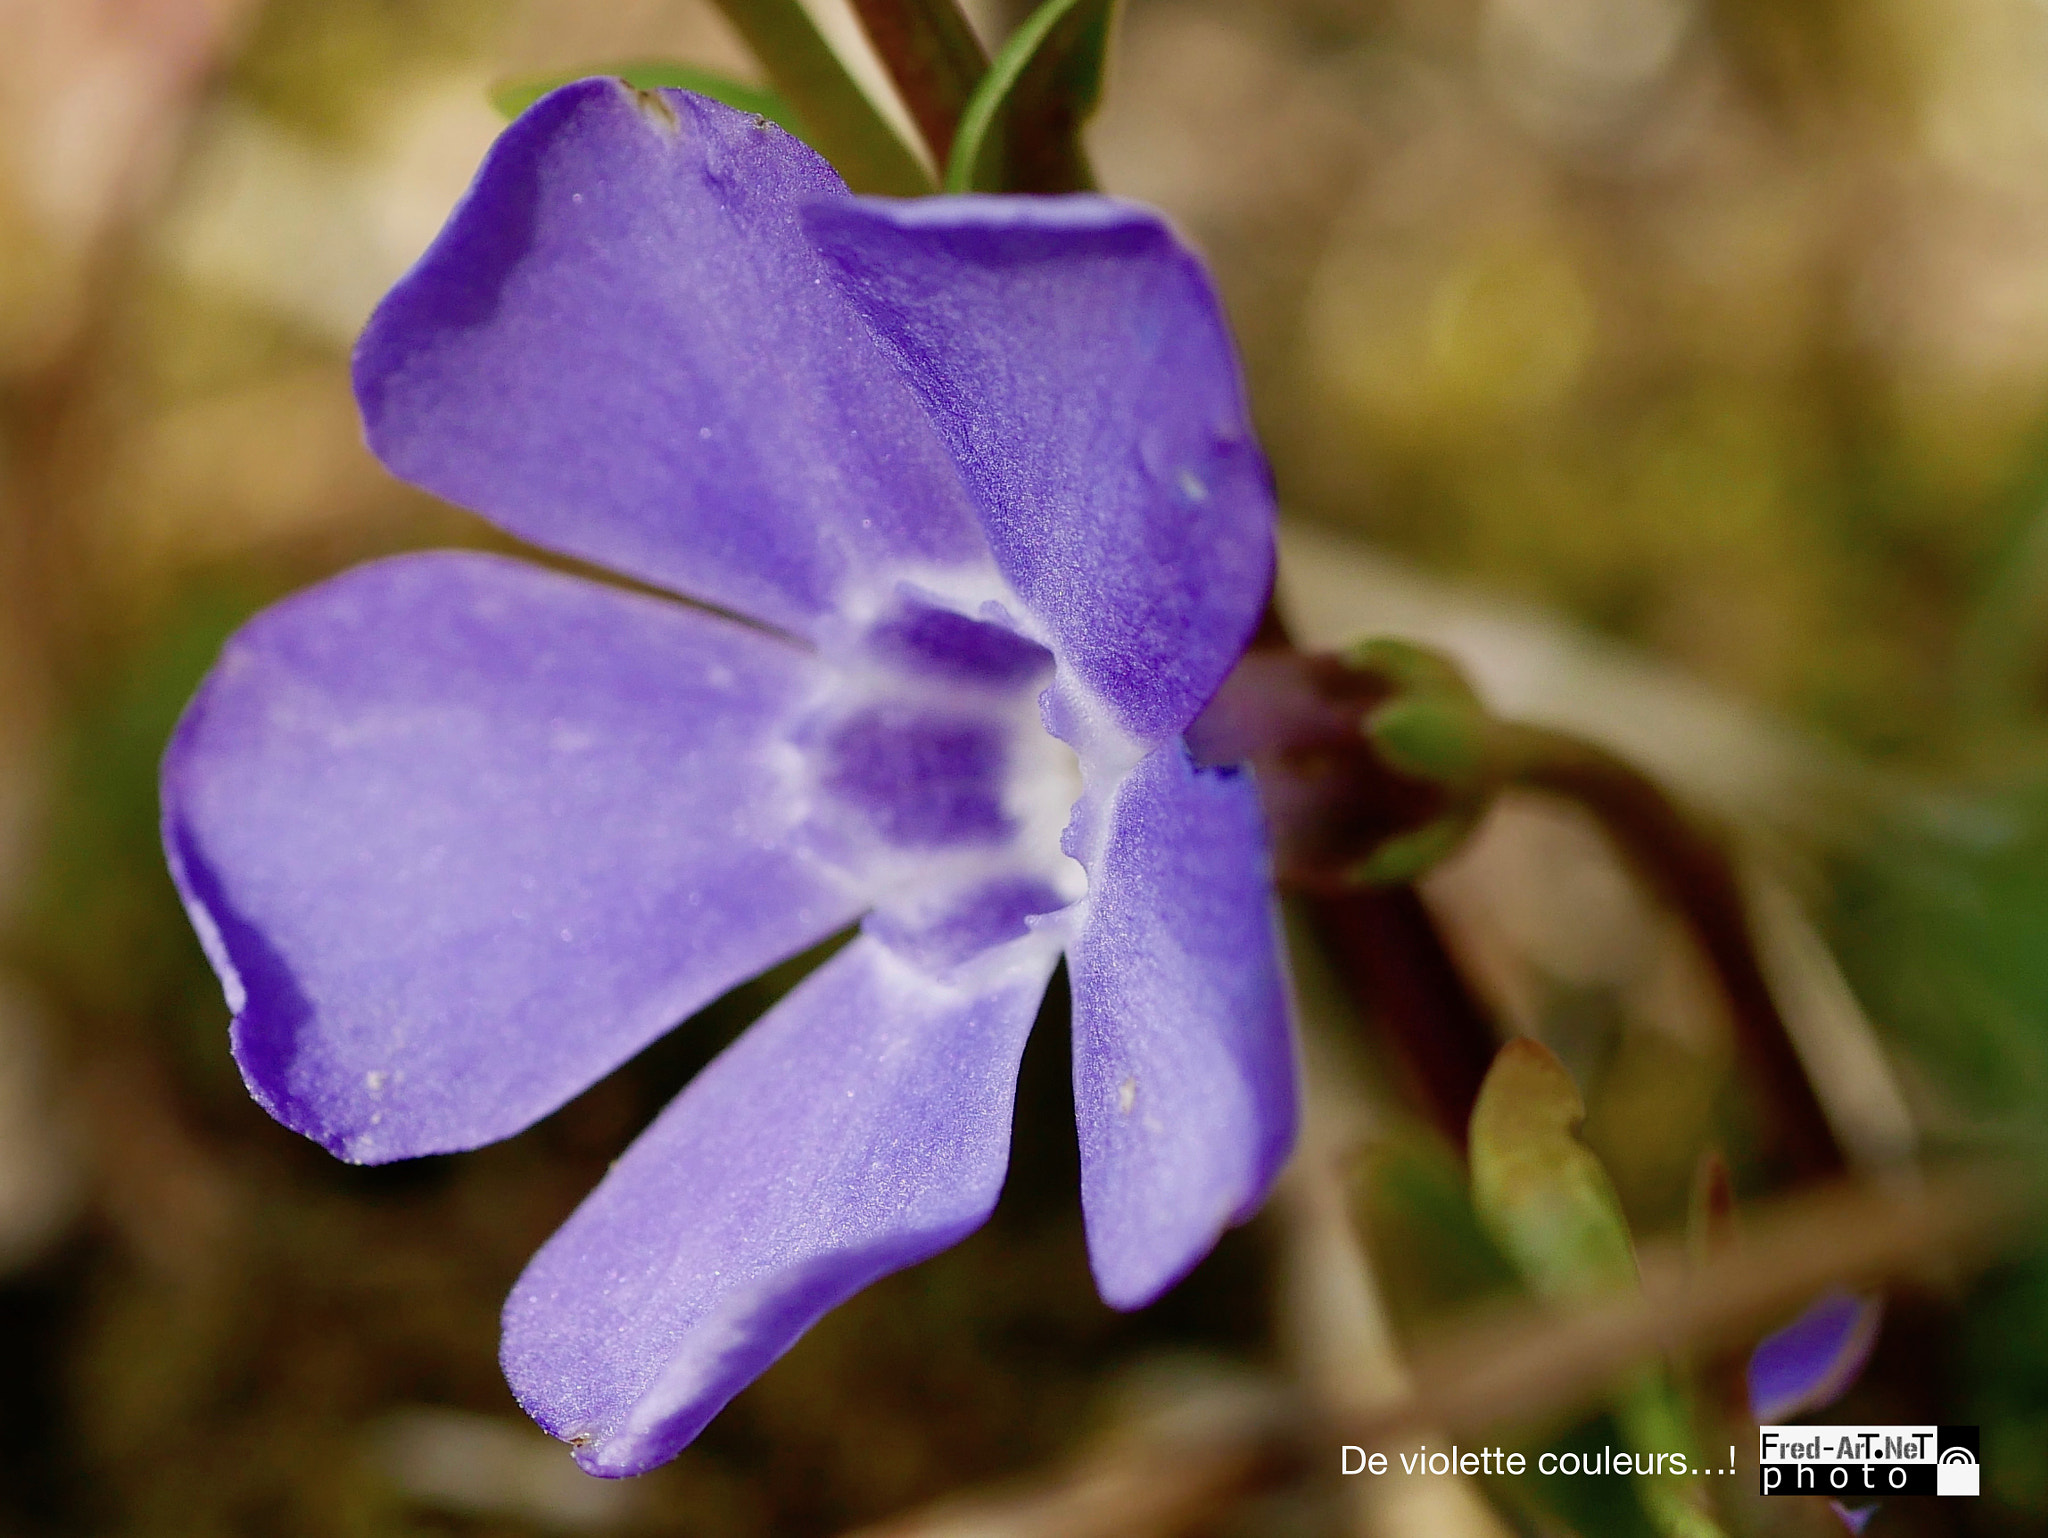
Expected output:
(934, 58)
(1527, 1361)
(843, 124)
(1385, 945)
(1692, 872)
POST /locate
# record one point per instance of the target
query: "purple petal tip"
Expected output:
(1812, 1361)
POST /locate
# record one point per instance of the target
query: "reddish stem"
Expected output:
(1386, 947)
(933, 57)
(1692, 872)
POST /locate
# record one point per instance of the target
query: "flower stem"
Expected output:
(934, 58)
(1692, 872)
(1021, 131)
(843, 124)
(1382, 941)
(1385, 945)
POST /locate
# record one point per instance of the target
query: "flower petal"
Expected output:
(1811, 1363)
(860, 1126)
(1184, 1073)
(623, 347)
(461, 835)
(1072, 354)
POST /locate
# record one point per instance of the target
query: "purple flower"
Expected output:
(1814, 1360)
(970, 485)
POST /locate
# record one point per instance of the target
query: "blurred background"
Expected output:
(1680, 364)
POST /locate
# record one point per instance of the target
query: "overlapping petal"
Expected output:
(461, 835)
(1071, 353)
(623, 347)
(862, 1125)
(1184, 1081)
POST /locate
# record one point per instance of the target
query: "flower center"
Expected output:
(922, 778)
(936, 784)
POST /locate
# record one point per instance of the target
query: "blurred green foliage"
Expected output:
(95, 920)
(328, 66)
(1942, 925)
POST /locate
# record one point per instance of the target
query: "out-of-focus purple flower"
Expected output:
(1812, 1362)
(970, 485)
(1855, 1518)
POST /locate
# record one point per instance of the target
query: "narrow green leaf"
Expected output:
(840, 122)
(514, 96)
(1021, 131)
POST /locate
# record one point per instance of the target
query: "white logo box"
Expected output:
(1848, 1444)
(1956, 1474)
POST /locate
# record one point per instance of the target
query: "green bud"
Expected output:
(1409, 668)
(1433, 736)
(1408, 855)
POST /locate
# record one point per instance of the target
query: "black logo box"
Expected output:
(1865, 1479)
(1846, 1481)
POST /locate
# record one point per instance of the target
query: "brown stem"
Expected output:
(1386, 947)
(934, 58)
(1692, 872)
(1193, 1462)
(1530, 1360)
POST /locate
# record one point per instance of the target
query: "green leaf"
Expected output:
(1408, 667)
(1432, 725)
(1941, 923)
(1436, 737)
(1021, 131)
(1542, 1193)
(514, 96)
(1550, 1205)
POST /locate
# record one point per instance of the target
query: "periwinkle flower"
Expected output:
(971, 522)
